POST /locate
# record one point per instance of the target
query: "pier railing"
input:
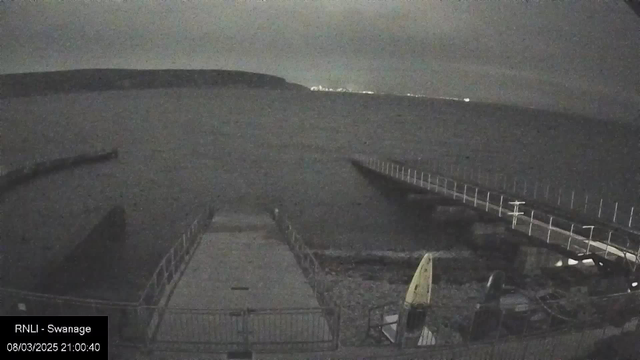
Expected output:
(312, 271)
(531, 219)
(154, 297)
(174, 262)
(619, 212)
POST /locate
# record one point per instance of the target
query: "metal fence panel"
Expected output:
(244, 329)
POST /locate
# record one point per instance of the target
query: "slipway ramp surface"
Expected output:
(242, 289)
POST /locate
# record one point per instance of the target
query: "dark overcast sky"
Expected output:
(577, 55)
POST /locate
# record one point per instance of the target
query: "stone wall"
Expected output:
(12, 178)
(93, 254)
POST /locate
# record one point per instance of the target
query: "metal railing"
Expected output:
(174, 262)
(529, 219)
(129, 322)
(558, 329)
(154, 297)
(265, 330)
(566, 345)
(579, 202)
(150, 324)
(311, 270)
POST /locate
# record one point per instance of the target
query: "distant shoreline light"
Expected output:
(322, 88)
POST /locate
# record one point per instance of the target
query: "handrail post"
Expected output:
(570, 236)
(531, 221)
(631, 217)
(475, 200)
(606, 252)
(573, 193)
(422, 179)
(586, 201)
(600, 209)
(559, 196)
(546, 194)
(455, 189)
(591, 236)
(487, 203)
(500, 211)
(245, 329)
(549, 233)
(615, 213)
(464, 197)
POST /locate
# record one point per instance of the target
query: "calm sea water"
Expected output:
(180, 148)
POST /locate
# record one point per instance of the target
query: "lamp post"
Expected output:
(515, 212)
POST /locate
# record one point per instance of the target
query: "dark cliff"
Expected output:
(43, 83)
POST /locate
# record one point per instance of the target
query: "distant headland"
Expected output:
(85, 80)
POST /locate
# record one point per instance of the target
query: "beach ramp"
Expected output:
(243, 290)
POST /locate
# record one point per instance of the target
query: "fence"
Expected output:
(312, 271)
(266, 330)
(155, 295)
(530, 219)
(568, 345)
(530, 329)
(173, 263)
(129, 323)
(579, 202)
